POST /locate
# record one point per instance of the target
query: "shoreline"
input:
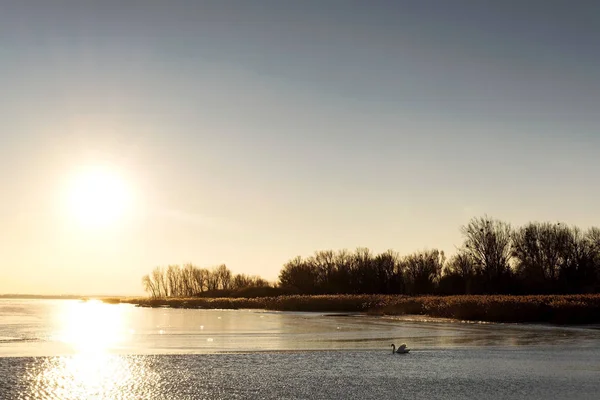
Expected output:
(553, 309)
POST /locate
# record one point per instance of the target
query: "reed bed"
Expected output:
(556, 309)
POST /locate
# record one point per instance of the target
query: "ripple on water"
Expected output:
(426, 374)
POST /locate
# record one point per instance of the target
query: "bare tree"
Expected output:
(187, 280)
(459, 275)
(545, 256)
(423, 270)
(257, 281)
(191, 281)
(342, 279)
(201, 279)
(240, 281)
(592, 238)
(297, 273)
(384, 266)
(173, 280)
(460, 264)
(212, 281)
(364, 278)
(324, 264)
(488, 242)
(579, 270)
(540, 251)
(149, 286)
(223, 276)
(159, 278)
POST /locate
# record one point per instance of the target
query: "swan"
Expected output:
(401, 349)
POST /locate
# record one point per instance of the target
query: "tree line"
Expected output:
(191, 281)
(494, 258)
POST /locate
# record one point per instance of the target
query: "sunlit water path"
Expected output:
(71, 350)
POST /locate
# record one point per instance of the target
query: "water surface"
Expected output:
(62, 349)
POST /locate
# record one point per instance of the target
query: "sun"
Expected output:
(98, 196)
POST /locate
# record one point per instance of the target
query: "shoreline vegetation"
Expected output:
(495, 258)
(553, 309)
(541, 272)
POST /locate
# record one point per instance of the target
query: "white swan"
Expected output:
(401, 349)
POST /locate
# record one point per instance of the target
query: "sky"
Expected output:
(250, 132)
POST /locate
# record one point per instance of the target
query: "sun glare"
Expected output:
(91, 327)
(98, 197)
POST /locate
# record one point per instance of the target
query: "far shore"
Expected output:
(554, 309)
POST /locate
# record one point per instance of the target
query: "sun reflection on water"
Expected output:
(90, 376)
(92, 330)
(91, 327)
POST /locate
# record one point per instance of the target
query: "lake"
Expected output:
(68, 349)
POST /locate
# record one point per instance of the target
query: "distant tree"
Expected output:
(257, 281)
(150, 286)
(423, 270)
(343, 272)
(488, 242)
(187, 280)
(592, 238)
(341, 280)
(537, 257)
(159, 278)
(366, 279)
(154, 283)
(323, 263)
(461, 264)
(540, 251)
(297, 274)
(223, 276)
(385, 266)
(579, 270)
(212, 280)
(240, 281)
(173, 280)
(459, 275)
(201, 280)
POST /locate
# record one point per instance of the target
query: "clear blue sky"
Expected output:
(249, 132)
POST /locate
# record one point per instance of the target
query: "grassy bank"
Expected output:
(557, 309)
